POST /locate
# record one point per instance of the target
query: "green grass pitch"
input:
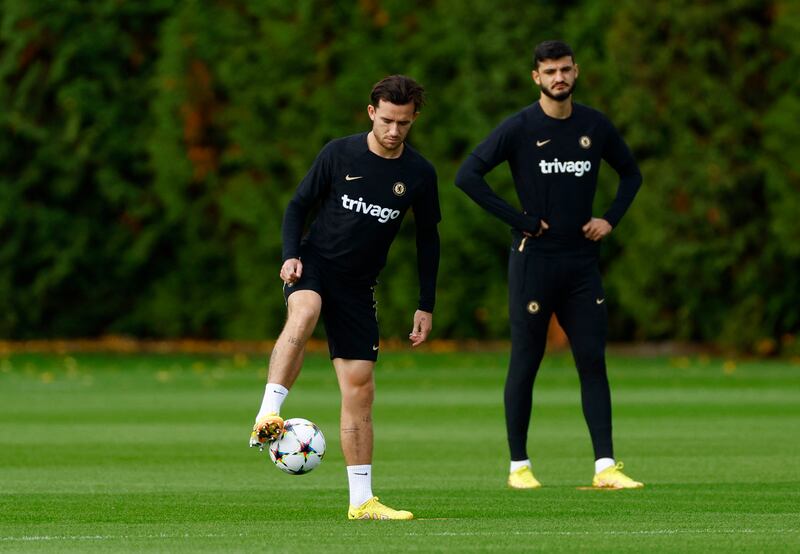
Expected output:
(149, 453)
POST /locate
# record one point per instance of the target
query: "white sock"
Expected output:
(518, 464)
(274, 395)
(603, 463)
(360, 479)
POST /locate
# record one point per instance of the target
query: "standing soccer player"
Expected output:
(554, 148)
(363, 184)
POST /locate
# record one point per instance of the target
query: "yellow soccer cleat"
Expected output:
(523, 478)
(613, 478)
(372, 509)
(266, 429)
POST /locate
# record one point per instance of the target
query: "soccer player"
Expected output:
(554, 148)
(363, 185)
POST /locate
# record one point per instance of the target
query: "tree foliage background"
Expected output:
(148, 150)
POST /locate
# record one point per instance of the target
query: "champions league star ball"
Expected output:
(301, 447)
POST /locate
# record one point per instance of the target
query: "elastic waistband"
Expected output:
(554, 246)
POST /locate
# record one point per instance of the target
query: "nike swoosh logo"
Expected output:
(600, 300)
(348, 178)
(356, 473)
(375, 347)
(542, 142)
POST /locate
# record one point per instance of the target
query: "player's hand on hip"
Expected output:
(291, 271)
(423, 321)
(596, 229)
(543, 226)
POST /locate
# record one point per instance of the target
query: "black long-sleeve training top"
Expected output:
(362, 199)
(555, 164)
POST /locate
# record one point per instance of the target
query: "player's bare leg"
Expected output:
(358, 391)
(304, 307)
(357, 385)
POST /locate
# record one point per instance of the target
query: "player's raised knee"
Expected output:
(303, 310)
(303, 315)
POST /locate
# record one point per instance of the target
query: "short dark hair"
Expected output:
(398, 89)
(551, 50)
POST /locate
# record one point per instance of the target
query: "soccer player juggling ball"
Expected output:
(554, 148)
(363, 184)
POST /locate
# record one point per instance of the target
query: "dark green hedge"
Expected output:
(149, 148)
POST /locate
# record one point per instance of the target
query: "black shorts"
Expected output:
(349, 310)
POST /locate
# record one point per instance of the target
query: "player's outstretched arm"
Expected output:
(423, 322)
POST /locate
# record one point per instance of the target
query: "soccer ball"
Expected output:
(300, 448)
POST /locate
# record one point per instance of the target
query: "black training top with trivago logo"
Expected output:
(555, 164)
(362, 200)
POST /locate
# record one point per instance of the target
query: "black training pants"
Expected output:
(571, 288)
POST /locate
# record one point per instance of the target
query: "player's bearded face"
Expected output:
(557, 78)
(560, 91)
(391, 123)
